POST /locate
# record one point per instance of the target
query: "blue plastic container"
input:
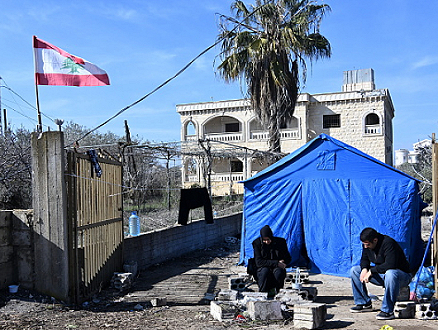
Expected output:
(134, 224)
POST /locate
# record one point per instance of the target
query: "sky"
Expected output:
(142, 43)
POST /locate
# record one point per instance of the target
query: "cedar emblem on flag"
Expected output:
(54, 66)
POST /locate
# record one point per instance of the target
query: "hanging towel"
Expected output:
(192, 199)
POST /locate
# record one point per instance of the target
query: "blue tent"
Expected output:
(320, 197)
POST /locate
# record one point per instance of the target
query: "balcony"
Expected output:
(225, 137)
(227, 177)
(290, 133)
(373, 129)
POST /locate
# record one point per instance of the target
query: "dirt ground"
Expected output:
(188, 284)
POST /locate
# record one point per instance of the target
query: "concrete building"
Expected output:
(360, 115)
(403, 156)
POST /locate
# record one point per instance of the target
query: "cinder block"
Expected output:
(264, 310)
(157, 302)
(263, 295)
(424, 312)
(227, 295)
(222, 310)
(237, 283)
(291, 277)
(404, 294)
(121, 281)
(405, 310)
(291, 296)
(310, 315)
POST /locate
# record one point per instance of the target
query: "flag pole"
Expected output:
(40, 123)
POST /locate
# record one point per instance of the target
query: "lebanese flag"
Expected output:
(54, 66)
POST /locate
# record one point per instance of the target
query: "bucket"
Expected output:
(13, 288)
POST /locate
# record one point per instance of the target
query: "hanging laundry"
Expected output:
(93, 158)
(192, 199)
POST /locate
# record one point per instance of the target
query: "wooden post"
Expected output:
(434, 250)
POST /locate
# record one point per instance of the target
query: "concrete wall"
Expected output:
(49, 200)
(17, 260)
(156, 246)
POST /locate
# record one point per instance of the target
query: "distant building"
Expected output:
(360, 116)
(403, 156)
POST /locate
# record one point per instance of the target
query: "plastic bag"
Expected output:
(425, 286)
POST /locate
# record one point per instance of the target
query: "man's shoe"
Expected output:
(361, 308)
(385, 316)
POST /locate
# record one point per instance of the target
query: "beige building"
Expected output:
(224, 142)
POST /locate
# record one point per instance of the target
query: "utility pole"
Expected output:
(5, 122)
(434, 251)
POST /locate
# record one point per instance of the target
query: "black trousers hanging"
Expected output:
(192, 199)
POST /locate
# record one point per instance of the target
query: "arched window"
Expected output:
(372, 119)
(190, 128)
(372, 124)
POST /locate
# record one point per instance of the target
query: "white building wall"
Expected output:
(351, 105)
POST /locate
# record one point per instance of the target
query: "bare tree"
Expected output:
(15, 170)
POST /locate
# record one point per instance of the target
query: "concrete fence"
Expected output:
(17, 245)
(17, 259)
(160, 245)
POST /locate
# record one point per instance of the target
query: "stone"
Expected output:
(264, 310)
(222, 311)
(157, 302)
(309, 315)
(404, 310)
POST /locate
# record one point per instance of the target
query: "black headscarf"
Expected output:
(266, 232)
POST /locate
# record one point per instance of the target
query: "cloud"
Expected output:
(425, 61)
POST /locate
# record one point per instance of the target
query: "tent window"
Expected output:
(329, 121)
(327, 160)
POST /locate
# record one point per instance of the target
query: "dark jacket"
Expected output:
(268, 255)
(386, 255)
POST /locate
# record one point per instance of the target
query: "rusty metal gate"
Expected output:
(95, 223)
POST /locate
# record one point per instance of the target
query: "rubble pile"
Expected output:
(239, 303)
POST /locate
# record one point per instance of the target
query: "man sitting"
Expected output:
(391, 270)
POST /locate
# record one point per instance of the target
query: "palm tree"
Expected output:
(265, 47)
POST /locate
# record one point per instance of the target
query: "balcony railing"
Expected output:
(373, 129)
(225, 137)
(225, 177)
(284, 134)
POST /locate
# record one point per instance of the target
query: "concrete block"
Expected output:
(291, 296)
(5, 219)
(263, 295)
(121, 281)
(237, 283)
(404, 294)
(131, 267)
(227, 295)
(264, 310)
(404, 310)
(5, 236)
(6, 254)
(21, 238)
(424, 312)
(291, 277)
(309, 315)
(222, 311)
(157, 302)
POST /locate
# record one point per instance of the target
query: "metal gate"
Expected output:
(95, 223)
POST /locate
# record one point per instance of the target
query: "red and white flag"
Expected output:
(54, 66)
